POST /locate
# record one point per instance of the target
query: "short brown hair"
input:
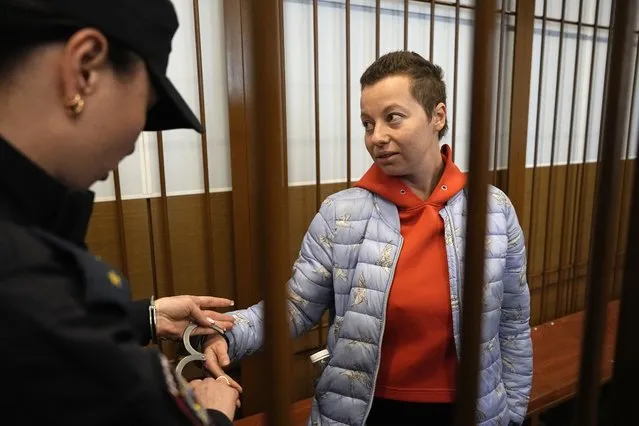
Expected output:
(427, 87)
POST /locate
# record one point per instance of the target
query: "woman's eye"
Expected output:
(368, 126)
(393, 117)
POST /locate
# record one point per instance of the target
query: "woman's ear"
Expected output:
(84, 59)
(439, 116)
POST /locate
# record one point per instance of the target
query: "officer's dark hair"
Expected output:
(427, 79)
(26, 25)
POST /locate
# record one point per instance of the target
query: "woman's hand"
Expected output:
(216, 351)
(175, 313)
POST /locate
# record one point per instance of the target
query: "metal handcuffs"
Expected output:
(194, 355)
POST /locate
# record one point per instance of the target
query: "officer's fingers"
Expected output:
(215, 322)
(204, 320)
(230, 382)
(223, 385)
(195, 383)
(205, 302)
(237, 386)
(224, 320)
(201, 331)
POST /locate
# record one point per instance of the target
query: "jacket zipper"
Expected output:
(457, 266)
(381, 336)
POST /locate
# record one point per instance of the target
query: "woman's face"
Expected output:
(115, 109)
(116, 119)
(398, 133)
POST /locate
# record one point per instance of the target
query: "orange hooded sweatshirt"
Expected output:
(418, 362)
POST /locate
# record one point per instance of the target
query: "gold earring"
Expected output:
(76, 105)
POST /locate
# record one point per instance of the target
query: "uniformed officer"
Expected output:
(79, 81)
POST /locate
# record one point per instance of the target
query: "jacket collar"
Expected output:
(29, 197)
(389, 213)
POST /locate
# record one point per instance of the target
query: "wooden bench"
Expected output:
(556, 347)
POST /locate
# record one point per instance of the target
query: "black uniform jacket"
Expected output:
(71, 348)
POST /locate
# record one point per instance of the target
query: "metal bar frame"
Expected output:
(270, 196)
(481, 99)
(602, 243)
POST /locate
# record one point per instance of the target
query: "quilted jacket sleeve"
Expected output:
(514, 330)
(310, 289)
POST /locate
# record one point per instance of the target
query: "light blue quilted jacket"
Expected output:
(346, 264)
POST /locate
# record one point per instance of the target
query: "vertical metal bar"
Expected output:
(520, 104)
(551, 188)
(482, 92)
(502, 23)
(579, 206)
(271, 193)
(405, 24)
(154, 271)
(377, 26)
(208, 217)
(168, 258)
(348, 95)
(601, 143)
(120, 215)
(616, 108)
(283, 86)
(318, 189)
(241, 107)
(623, 174)
(625, 371)
(564, 211)
(432, 30)
(456, 79)
(531, 224)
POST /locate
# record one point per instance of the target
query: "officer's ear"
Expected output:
(84, 59)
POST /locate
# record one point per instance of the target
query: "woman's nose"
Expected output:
(380, 137)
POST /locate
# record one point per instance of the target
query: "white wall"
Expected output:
(140, 173)
(298, 18)
(565, 65)
(182, 149)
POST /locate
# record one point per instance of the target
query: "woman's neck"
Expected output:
(424, 180)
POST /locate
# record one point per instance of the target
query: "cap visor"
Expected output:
(171, 110)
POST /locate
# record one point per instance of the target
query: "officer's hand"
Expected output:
(216, 395)
(175, 313)
(216, 351)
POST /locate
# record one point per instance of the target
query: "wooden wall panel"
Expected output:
(102, 239)
(562, 277)
(186, 233)
(187, 245)
(138, 243)
(186, 226)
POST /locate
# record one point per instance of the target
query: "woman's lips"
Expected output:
(385, 157)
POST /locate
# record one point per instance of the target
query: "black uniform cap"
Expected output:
(146, 27)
